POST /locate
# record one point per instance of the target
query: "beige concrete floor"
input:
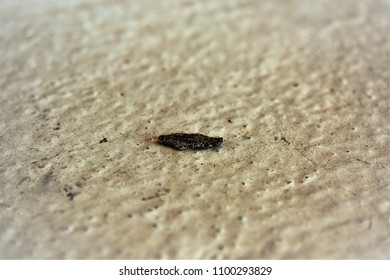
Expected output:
(298, 89)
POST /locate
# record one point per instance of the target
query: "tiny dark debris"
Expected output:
(57, 127)
(71, 195)
(185, 141)
(104, 140)
(284, 139)
(295, 84)
(230, 121)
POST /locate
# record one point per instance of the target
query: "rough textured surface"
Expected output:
(299, 90)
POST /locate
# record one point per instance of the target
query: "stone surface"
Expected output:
(299, 90)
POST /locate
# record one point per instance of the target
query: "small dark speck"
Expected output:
(104, 140)
(276, 138)
(129, 216)
(284, 139)
(122, 94)
(295, 84)
(71, 195)
(230, 121)
(57, 127)
(185, 141)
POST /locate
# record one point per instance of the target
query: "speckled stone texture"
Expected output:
(299, 90)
